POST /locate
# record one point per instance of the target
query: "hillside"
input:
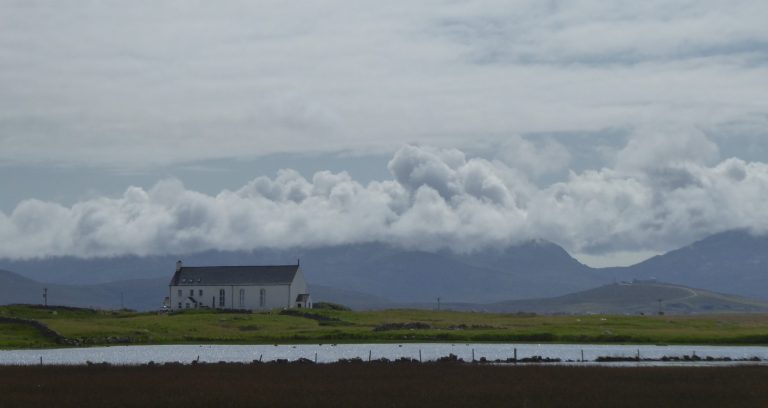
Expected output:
(349, 298)
(139, 294)
(731, 262)
(633, 298)
(530, 269)
(636, 298)
(89, 327)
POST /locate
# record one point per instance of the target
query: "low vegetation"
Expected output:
(330, 306)
(381, 385)
(23, 335)
(85, 327)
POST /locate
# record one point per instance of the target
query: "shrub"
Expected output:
(330, 306)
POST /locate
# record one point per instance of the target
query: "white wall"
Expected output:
(208, 293)
(298, 286)
(277, 296)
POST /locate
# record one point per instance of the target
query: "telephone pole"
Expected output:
(438, 303)
(45, 297)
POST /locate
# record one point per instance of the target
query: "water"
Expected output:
(326, 353)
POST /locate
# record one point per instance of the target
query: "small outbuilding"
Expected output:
(259, 287)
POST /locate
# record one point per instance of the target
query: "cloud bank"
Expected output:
(147, 82)
(660, 193)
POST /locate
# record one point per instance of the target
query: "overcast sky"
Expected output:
(616, 129)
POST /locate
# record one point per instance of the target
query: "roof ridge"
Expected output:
(227, 274)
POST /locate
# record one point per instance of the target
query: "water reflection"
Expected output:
(325, 353)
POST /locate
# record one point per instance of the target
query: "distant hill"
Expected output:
(531, 269)
(731, 262)
(141, 294)
(539, 268)
(354, 300)
(634, 298)
(639, 297)
(138, 294)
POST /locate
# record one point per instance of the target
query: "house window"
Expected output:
(179, 305)
(191, 292)
(180, 295)
(187, 305)
(262, 297)
(222, 294)
(242, 297)
(200, 292)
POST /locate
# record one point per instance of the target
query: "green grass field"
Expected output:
(91, 327)
(16, 335)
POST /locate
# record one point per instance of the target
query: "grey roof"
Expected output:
(234, 275)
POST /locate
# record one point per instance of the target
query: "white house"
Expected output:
(238, 287)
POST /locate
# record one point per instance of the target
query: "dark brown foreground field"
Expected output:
(381, 385)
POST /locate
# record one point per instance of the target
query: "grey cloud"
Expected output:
(437, 198)
(673, 177)
(414, 167)
(735, 169)
(596, 33)
(539, 156)
(139, 83)
(662, 146)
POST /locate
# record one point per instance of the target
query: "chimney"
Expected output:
(178, 265)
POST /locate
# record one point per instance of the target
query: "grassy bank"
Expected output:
(20, 335)
(90, 327)
(381, 385)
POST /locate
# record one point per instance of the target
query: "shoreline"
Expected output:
(502, 353)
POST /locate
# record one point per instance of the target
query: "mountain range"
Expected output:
(731, 262)
(636, 297)
(378, 274)
(534, 268)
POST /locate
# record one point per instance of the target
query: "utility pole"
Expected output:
(121, 301)
(45, 297)
(438, 303)
(660, 312)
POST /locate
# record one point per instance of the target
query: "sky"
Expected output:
(618, 130)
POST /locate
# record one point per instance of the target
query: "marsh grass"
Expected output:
(92, 327)
(381, 385)
(18, 335)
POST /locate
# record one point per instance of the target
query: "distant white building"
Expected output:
(238, 287)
